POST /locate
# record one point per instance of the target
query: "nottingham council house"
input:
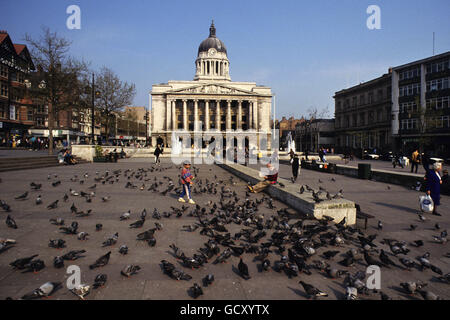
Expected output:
(211, 98)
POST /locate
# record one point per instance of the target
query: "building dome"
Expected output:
(212, 42)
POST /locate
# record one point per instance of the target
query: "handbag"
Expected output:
(426, 204)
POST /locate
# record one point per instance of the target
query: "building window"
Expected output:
(408, 107)
(409, 124)
(354, 102)
(30, 114)
(438, 66)
(370, 97)
(4, 71)
(409, 90)
(438, 84)
(362, 100)
(409, 74)
(438, 103)
(4, 89)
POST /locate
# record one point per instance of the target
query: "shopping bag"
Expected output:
(426, 204)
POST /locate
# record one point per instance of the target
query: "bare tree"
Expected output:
(58, 78)
(113, 94)
(313, 114)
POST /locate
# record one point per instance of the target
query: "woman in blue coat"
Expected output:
(433, 184)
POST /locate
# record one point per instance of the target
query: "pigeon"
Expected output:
(43, 291)
(123, 249)
(106, 198)
(57, 243)
(428, 295)
(330, 254)
(72, 229)
(111, 240)
(410, 287)
(5, 244)
(53, 205)
(125, 216)
(82, 235)
(66, 197)
(98, 227)
(58, 262)
(380, 225)
(137, 224)
(196, 291)
(22, 262)
(34, 266)
(73, 255)
(35, 186)
(38, 200)
(265, 265)
(5, 206)
(243, 270)
(73, 209)
(129, 270)
(10, 222)
(370, 260)
(311, 291)
(100, 262)
(82, 290)
(99, 280)
(412, 227)
(408, 263)
(208, 280)
(418, 243)
(22, 196)
(352, 293)
(56, 183)
(302, 189)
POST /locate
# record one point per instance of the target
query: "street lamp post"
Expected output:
(93, 110)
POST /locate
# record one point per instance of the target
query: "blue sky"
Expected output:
(304, 50)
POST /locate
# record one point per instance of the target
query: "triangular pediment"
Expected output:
(212, 89)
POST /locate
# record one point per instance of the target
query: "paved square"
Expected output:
(396, 208)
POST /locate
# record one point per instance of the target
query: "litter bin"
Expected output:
(364, 170)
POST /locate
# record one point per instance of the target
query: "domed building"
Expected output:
(211, 101)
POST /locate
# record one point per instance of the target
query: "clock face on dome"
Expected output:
(212, 52)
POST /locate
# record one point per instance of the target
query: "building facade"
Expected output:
(421, 105)
(286, 126)
(363, 116)
(16, 108)
(211, 99)
(311, 135)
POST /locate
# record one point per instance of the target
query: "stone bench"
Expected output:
(303, 203)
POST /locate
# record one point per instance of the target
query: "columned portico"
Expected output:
(212, 98)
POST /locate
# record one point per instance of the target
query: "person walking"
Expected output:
(295, 166)
(271, 178)
(157, 153)
(426, 161)
(433, 185)
(186, 181)
(415, 160)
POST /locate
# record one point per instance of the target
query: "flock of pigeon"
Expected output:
(297, 247)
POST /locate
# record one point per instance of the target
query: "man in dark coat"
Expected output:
(295, 166)
(433, 185)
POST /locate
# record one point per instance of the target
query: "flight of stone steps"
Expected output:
(10, 164)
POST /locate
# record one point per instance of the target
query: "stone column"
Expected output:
(168, 114)
(239, 118)
(250, 115)
(206, 115)
(174, 114)
(185, 118)
(255, 115)
(196, 115)
(228, 122)
(218, 114)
